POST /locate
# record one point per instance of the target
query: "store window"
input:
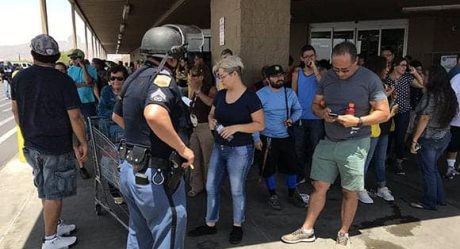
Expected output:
(370, 37)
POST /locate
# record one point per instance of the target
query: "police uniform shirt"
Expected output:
(143, 91)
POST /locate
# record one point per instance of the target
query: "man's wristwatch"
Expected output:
(360, 122)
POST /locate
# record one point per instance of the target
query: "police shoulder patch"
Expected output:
(162, 80)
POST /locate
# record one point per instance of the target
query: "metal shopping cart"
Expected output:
(106, 163)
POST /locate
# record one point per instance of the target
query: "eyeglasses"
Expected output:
(403, 65)
(116, 78)
(195, 75)
(223, 76)
(73, 58)
(342, 70)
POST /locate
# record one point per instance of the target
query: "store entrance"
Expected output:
(370, 37)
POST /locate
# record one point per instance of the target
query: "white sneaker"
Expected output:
(343, 241)
(364, 197)
(451, 172)
(385, 193)
(65, 229)
(59, 242)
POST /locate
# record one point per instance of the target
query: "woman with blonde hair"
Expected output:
(235, 114)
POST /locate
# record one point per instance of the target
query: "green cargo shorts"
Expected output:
(346, 158)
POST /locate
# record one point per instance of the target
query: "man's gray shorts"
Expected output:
(54, 175)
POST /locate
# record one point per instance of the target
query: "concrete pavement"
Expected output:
(381, 225)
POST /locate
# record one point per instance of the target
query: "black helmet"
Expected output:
(171, 40)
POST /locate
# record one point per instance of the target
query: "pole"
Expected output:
(74, 27)
(44, 16)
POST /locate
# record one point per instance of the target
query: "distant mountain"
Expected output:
(22, 51)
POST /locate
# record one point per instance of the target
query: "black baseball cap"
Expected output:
(274, 70)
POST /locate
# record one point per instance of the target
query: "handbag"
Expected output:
(290, 128)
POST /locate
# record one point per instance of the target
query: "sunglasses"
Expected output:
(195, 75)
(116, 78)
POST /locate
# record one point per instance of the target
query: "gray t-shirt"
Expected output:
(427, 106)
(361, 88)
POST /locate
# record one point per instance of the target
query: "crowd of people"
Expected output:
(315, 121)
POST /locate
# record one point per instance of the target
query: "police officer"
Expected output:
(152, 112)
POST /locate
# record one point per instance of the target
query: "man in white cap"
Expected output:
(46, 107)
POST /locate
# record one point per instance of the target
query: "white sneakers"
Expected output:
(59, 242)
(65, 229)
(364, 197)
(383, 193)
(451, 172)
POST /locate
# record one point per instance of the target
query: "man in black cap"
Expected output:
(46, 107)
(282, 109)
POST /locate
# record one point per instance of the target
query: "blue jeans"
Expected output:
(401, 124)
(236, 162)
(150, 214)
(376, 157)
(307, 133)
(7, 89)
(427, 160)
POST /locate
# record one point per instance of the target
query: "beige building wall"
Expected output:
(299, 37)
(256, 30)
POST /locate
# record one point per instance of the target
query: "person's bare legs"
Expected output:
(349, 207)
(316, 203)
(51, 214)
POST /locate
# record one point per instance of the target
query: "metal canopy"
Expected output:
(105, 16)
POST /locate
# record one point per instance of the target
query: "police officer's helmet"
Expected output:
(171, 41)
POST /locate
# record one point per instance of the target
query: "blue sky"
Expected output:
(21, 20)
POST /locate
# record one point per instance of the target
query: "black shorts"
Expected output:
(281, 157)
(454, 144)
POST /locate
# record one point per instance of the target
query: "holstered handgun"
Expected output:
(176, 172)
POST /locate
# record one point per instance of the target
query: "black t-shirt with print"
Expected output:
(43, 96)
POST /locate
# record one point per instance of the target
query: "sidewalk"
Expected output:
(381, 225)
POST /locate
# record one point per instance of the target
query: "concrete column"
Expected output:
(299, 37)
(256, 30)
(74, 26)
(86, 42)
(92, 46)
(44, 16)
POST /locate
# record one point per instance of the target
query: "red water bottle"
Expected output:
(350, 109)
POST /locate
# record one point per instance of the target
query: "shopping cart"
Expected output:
(106, 169)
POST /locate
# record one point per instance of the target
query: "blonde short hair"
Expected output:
(230, 64)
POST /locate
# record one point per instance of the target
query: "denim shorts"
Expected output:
(54, 175)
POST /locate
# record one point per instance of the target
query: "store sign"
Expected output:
(448, 62)
(222, 31)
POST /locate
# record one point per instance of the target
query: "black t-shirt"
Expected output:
(142, 92)
(43, 96)
(238, 112)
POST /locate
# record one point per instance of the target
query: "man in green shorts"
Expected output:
(345, 97)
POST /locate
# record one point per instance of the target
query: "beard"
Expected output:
(277, 85)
